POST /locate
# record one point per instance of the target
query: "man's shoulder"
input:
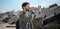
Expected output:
(21, 13)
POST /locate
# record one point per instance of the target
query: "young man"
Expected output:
(25, 16)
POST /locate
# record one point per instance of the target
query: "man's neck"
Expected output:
(26, 12)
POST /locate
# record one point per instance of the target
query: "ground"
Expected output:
(4, 26)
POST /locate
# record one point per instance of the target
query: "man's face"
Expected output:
(27, 7)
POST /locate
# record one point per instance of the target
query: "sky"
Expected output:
(9, 5)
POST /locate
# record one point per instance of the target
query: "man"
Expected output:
(25, 16)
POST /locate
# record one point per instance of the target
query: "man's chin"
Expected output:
(27, 10)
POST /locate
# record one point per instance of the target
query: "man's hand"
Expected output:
(33, 8)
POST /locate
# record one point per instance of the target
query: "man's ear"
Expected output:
(23, 7)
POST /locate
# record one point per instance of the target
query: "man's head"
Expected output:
(25, 6)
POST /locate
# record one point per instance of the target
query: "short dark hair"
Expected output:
(24, 4)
